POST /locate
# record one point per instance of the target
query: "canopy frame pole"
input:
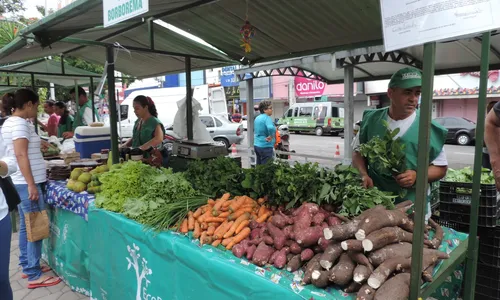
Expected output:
(348, 112)
(110, 54)
(189, 99)
(140, 49)
(63, 71)
(422, 169)
(33, 88)
(92, 98)
(250, 120)
(470, 275)
(151, 32)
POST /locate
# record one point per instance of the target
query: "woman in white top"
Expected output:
(8, 166)
(21, 139)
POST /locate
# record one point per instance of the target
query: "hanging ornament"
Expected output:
(247, 32)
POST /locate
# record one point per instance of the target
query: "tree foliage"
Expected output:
(11, 6)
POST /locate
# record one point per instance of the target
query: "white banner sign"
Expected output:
(116, 11)
(414, 22)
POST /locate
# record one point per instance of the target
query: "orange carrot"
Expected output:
(264, 217)
(225, 197)
(204, 208)
(238, 221)
(203, 226)
(190, 221)
(220, 227)
(241, 226)
(227, 203)
(208, 239)
(197, 229)
(262, 210)
(225, 242)
(239, 237)
(214, 219)
(261, 201)
(203, 237)
(216, 243)
(224, 214)
(236, 204)
(184, 226)
(223, 231)
(197, 213)
(238, 213)
(210, 230)
(211, 202)
(207, 214)
(254, 216)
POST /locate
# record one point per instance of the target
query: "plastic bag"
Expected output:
(68, 146)
(200, 133)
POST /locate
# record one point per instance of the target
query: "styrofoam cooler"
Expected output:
(89, 140)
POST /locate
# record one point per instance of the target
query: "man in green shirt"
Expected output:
(85, 113)
(404, 91)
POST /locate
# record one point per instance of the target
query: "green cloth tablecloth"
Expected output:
(129, 263)
(66, 250)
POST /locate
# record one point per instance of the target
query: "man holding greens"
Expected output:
(404, 91)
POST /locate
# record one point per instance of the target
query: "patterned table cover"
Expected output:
(57, 195)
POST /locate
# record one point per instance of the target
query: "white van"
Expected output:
(211, 97)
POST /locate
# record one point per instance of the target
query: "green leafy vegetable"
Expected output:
(386, 154)
(466, 175)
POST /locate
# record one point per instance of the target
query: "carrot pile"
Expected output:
(225, 221)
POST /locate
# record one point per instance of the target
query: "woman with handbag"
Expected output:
(21, 139)
(8, 166)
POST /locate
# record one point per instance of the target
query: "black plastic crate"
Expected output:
(455, 199)
(456, 226)
(486, 292)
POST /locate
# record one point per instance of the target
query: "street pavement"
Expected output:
(326, 147)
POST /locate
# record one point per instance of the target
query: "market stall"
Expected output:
(205, 28)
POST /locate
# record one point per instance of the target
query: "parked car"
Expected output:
(222, 130)
(460, 130)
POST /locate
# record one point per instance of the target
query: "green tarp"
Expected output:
(66, 250)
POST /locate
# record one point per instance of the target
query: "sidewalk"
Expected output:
(21, 292)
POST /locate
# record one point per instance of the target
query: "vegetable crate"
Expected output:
(487, 282)
(455, 199)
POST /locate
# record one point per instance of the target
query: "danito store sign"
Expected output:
(305, 87)
(116, 11)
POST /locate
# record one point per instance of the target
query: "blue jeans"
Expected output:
(263, 154)
(30, 253)
(5, 235)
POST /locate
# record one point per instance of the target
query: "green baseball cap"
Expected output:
(406, 78)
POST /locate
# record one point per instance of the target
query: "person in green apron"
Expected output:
(404, 92)
(85, 114)
(66, 120)
(148, 130)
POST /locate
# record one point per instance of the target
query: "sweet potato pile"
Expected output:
(289, 239)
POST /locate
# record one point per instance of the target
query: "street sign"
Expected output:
(116, 11)
(410, 23)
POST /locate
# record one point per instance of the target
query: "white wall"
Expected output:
(213, 75)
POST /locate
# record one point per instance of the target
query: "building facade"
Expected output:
(455, 95)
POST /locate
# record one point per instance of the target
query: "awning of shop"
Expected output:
(81, 23)
(46, 70)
